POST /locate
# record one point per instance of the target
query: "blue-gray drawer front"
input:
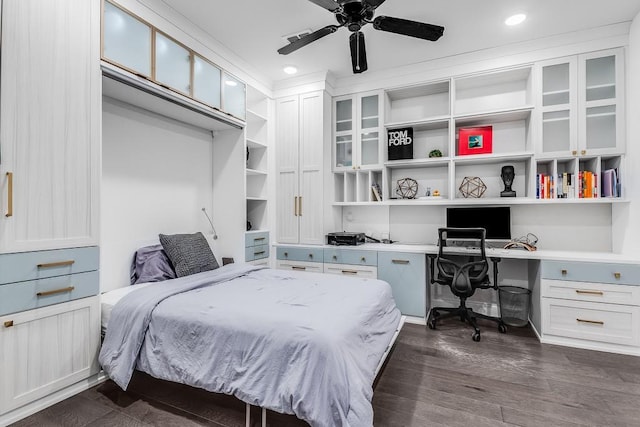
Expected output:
(255, 239)
(23, 296)
(596, 272)
(407, 275)
(350, 256)
(256, 252)
(299, 254)
(20, 267)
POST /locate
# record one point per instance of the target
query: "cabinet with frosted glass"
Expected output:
(357, 132)
(581, 103)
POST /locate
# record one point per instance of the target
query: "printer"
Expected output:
(345, 238)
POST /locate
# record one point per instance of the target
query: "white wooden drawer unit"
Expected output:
(592, 305)
(351, 270)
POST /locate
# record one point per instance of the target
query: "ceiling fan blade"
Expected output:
(297, 44)
(358, 52)
(330, 5)
(408, 28)
(373, 4)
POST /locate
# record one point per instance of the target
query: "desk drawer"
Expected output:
(351, 270)
(350, 256)
(608, 323)
(595, 272)
(256, 238)
(593, 292)
(315, 267)
(300, 254)
(22, 296)
(20, 267)
(256, 252)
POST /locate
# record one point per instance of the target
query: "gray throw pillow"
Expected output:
(189, 253)
(151, 264)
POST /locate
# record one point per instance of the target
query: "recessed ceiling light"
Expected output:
(515, 19)
(231, 83)
(290, 69)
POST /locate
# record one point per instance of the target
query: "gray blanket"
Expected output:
(297, 343)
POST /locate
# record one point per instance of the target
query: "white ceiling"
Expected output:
(253, 29)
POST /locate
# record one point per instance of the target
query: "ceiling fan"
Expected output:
(355, 14)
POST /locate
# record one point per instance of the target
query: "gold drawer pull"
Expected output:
(583, 152)
(563, 272)
(8, 323)
(310, 255)
(300, 206)
(400, 261)
(9, 194)
(286, 254)
(593, 322)
(295, 205)
(257, 239)
(616, 275)
(349, 272)
(295, 267)
(578, 291)
(363, 259)
(258, 253)
(56, 264)
(55, 291)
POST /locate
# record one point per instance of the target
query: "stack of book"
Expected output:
(560, 187)
(585, 186)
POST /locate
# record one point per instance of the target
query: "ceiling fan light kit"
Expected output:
(354, 14)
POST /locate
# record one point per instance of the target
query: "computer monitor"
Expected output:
(496, 220)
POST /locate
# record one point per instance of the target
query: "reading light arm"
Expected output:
(215, 235)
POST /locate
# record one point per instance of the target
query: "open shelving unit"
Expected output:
(257, 161)
(533, 130)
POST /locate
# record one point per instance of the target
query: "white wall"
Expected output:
(570, 227)
(156, 177)
(626, 226)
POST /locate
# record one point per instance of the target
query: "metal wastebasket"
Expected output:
(514, 305)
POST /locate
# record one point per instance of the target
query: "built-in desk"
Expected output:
(580, 299)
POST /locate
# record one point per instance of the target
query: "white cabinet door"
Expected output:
(47, 349)
(310, 166)
(50, 124)
(287, 110)
(601, 100)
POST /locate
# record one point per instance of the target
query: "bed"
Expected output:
(299, 343)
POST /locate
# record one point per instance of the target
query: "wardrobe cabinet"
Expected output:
(49, 124)
(300, 135)
(50, 103)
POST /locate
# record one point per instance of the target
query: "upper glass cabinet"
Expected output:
(126, 41)
(132, 44)
(344, 133)
(581, 105)
(206, 82)
(357, 131)
(234, 96)
(173, 64)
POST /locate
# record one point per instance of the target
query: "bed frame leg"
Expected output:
(247, 416)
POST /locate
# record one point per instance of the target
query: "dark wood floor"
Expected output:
(432, 378)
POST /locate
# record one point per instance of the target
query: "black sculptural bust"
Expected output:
(508, 174)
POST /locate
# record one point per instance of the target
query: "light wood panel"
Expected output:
(50, 123)
(47, 349)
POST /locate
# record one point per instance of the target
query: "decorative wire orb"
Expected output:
(472, 186)
(407, 188)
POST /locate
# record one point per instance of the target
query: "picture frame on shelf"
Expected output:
(476, 140)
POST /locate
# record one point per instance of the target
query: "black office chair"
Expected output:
(463, 277)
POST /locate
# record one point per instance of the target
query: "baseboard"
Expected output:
(415, 320)
(52, 399)
(590, 345)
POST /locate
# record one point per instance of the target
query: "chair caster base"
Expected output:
(431, 323)
(476, 336)
(502, 328)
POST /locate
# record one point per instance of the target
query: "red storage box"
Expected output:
(475, 140)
